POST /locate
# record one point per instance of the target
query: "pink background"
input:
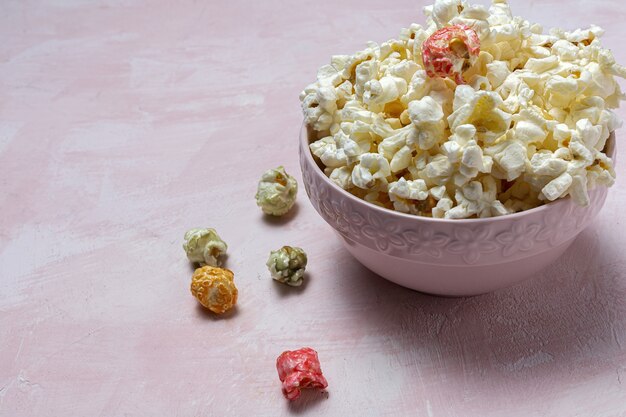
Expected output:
(124, 124)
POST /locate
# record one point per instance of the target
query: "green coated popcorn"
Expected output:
(287, 265)
(204, 246)
(277, 192)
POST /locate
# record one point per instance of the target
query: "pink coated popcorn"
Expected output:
(450, 51)
(299, 369)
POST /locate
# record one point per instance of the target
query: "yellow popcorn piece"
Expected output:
(214, 288)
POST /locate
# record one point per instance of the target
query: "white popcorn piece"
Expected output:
(516, 92)
(475, 16)
(481, 109)
(578, 190)
(453, 151)
(404, 194)
(354, 111)
(405, 69)
(328, 152)
(439, 169)
(566, 50)
(581, 153)
(443, 206)
(497, 72)
(530, 127)
(427, 117)
(557, 187)
(395, 149)
(419, 86)
(342, 177)
(589, 134)
(438, 192)
(510, 156)
(371, 171)
(365, 72)
(546, 163)
(344, 92)
(473, 163)
(328, 75)
(377, 93)
(540, 65)
(477, 198)
(319, 107)
(561, 91)
(443, 11)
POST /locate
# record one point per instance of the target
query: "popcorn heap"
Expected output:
(478, 114)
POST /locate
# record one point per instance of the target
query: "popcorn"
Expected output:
(371, 171)
(377, 93)
(546, 163)
(214, 288)
(511, 157)
(477, 113)
(405, 194)
(427, 117)
(298, 369)
(204, 246)
(342, 177)
(365, 72)
(561, 91)
(450, 50)
(320, 105)
(329, 153)
(557, 187)
(565, 50)
(287, 265)
(443, 206)
(477, 198)
(540, 65)
(481, 109)
(277, 191)
(530, 127)
(497, 72)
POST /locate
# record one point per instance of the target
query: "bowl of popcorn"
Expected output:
(467, 154)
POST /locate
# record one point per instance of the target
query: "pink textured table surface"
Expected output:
(124, 124)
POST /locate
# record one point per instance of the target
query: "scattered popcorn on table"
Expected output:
(214, 288)
(204, 246)
(287, 265)
(299, 369)
(476, 114)
(277, 191)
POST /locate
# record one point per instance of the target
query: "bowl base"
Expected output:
(453, 281)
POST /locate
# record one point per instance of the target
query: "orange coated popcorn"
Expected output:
(214, 288)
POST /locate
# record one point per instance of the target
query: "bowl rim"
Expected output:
(552, 205)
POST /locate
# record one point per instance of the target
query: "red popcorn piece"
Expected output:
(450, 51)
(299, 369)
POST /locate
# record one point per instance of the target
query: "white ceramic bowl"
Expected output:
(448, 257)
